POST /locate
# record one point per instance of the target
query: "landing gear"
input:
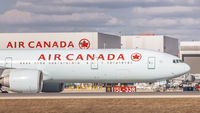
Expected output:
(2, 91)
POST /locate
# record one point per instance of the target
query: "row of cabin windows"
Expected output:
(74, 63)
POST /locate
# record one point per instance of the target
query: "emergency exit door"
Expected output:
(8, 62)
(151, 63)
(94, 64)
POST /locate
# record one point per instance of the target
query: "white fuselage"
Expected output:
(96, 65)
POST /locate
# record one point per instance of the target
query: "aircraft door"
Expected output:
(151, 63)
(94, 64)
(8, 62)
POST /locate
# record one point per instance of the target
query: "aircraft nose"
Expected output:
(187, 68)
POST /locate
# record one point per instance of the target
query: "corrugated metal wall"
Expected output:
(193, 61)
(171, 45)
(108, 41)
(158, 43)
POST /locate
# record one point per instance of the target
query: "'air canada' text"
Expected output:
(40, 44)
(70, 57)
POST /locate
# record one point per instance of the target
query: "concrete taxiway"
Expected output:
(100, 95)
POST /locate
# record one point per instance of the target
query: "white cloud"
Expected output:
(114, 21)
(127, 3)
(183, 1)
(156, 22)
(99, 1)
(190, 21)
(21, 17)
(132, 1)
(76, 17)
(47, 8)
(166, 22)
(23, 4)
(15, 17)
(164, 10)
(146, 16)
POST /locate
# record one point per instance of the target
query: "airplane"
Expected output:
(33, 71)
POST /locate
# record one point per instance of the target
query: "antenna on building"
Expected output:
(120, 33)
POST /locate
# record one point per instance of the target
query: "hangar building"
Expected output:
(69, 40)
(190, 53)
(152, 42)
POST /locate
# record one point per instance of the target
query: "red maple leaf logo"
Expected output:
(84, 44)
(136, 56)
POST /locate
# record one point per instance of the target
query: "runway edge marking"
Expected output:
(100, 97)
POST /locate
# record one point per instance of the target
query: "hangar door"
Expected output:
(151, 63)
(193, 61)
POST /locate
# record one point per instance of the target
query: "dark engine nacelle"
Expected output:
(52, 87)
(22, 80)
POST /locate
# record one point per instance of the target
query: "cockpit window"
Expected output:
(177, 61)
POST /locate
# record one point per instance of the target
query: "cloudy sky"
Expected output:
(176, 18)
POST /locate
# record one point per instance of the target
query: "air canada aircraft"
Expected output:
(33, 71)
